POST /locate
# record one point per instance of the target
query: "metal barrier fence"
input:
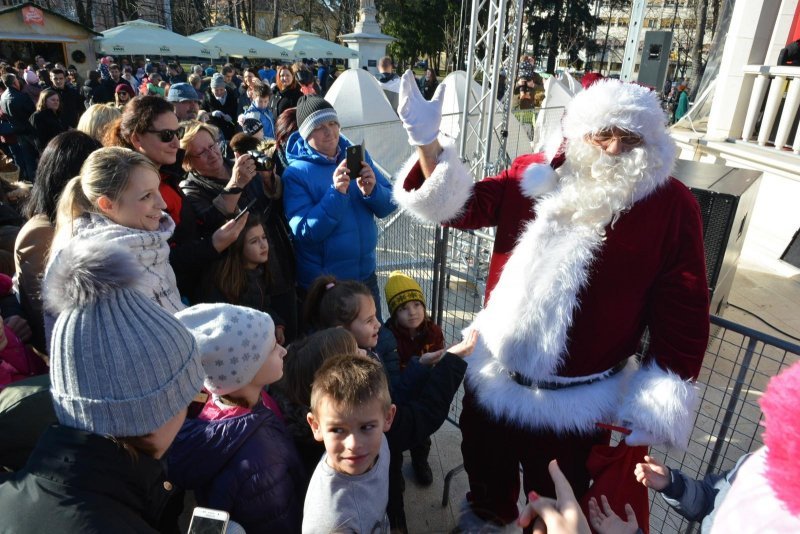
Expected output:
(452, 265)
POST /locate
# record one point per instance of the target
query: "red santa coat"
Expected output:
(570, 304)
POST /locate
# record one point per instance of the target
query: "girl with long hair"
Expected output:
(242, 276)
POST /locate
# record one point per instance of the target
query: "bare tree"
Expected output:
(698, 66)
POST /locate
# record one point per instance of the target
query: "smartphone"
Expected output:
(208, 521)
(245, 210)
(355, 155)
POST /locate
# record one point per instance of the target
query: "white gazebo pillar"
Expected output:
(367, 39)
(748, 40)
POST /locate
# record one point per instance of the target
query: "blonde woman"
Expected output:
(115, 200)
(96, 120)
(46, 120)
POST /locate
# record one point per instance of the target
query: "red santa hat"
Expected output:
(605, 104)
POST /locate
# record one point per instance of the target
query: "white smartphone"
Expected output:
(208, 521)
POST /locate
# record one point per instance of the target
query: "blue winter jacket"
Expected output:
(246, 465)
(334, 233)
(265, 116)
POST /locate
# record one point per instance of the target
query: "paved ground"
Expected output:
(764, 285)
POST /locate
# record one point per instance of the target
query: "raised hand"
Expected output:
(226, 235)
(421, 118)
(560, 516)
(467, 345)
(652, 473)
(605, 521)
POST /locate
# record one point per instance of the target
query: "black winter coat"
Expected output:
(76, 481)
(72, 106)
(190, 254)
(283, 100)
(47, 125)
(18, 108)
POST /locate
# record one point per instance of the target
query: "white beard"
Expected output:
(595, 188)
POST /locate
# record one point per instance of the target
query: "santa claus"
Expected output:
(587, 256)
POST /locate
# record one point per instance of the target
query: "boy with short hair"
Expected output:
(350, 410)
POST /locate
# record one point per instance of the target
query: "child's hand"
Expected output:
(464, 349)
(605, 521)
(280, 337)
(652, 473)
(431, 358)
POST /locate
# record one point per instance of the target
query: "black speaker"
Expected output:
(726, 196)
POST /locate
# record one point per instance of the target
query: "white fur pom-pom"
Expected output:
(538, 179)
(85, 271)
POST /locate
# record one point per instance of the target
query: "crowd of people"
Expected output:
(196, 268)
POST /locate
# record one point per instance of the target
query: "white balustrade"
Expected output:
(772, 82)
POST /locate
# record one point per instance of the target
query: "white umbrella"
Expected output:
(309, 45)
(359, 99)
(139, 37)
(231, 41)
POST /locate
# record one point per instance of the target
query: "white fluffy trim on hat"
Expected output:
(444, 194)
(538, 179)
(626, 106)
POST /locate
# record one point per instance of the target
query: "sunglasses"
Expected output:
(604, 138)
(167, 135)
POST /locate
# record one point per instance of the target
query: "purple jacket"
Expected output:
(246, 465)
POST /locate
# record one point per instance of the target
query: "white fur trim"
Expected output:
(526, 322)
(661, 403)
(627, 106)
(575, 409)
(443, 195)
(538, 179)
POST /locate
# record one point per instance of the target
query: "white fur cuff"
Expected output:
(661, 403)
(443, 195)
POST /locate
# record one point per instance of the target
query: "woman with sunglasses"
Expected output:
(149, 126)
(288, 92)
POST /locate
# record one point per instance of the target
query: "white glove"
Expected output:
(642, 437)
(421, 118)
(221, 115)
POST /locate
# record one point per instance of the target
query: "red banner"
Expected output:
(32, 15)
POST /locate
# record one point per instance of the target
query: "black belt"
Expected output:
(524, 381)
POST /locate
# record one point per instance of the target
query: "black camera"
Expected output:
(263, 161)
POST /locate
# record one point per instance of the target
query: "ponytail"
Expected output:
(113, 135)
(331, 302)
(71, 204)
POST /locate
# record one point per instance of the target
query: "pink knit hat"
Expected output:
(30, 77)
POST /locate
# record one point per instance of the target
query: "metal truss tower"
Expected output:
(494, 36)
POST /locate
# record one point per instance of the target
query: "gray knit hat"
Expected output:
(217, 81)
(233, 341)
(120, 365)
(313, 110)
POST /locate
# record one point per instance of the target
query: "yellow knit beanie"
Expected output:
(401, 288)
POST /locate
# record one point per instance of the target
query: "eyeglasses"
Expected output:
(206, 151)
(604, 137)
(167, 135)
